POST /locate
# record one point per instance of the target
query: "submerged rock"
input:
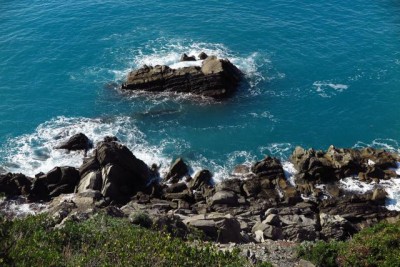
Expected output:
(217, 78)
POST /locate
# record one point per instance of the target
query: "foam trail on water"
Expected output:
(329, 89)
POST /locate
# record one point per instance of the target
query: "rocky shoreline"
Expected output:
(259, 206)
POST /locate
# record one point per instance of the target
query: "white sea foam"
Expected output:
(33, 153)
(19, 207)
(255, 65)
(328, 89)
(392, 187)
(290, 172)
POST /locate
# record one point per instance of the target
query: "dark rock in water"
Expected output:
(177, 170)
(201, 179)
(76, 142)
(15, 184)
(113, 170)
(217, 78)
(185, 57)
(202, 56)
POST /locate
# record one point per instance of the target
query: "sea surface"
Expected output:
(317, 73)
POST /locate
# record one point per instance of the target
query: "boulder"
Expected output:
(115, 153)
(200, 180)
(233, 185)
(185, 57)
(335, 227)
(217, 78)
(202, 56)
(91, 181)
(15, 184)
(218, 227)
(59, 180)
(76, 142)
(224, 197)
(177, 170)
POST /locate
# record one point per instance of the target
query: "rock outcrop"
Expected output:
(76, 142)
(216, 78)
(259, 206)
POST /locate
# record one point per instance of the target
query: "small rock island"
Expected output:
(216, 78)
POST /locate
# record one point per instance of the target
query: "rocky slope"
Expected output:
(259, 206)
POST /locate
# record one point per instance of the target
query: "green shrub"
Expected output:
(372, 247)
(101, 241)
(375, 246)
(142, 219)
(320, 253)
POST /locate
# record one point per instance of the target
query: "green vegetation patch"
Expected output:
(375, 246)
(101, 241)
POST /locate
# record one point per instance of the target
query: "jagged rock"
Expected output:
(270, 168)
(118, 154)
(185, 57)
(59, 180)
(177, 171)
(335, 164)
(76, 142)
(15, 184)
(216, 78)
(201, 179)
(202, 56)
(89, 164)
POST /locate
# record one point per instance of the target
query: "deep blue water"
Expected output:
(318, 73)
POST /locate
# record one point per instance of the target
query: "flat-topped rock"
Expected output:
(216, 78)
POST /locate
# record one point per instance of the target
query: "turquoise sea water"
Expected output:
(317, 73)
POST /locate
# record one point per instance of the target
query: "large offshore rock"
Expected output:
(76, 142)
(216, 78)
